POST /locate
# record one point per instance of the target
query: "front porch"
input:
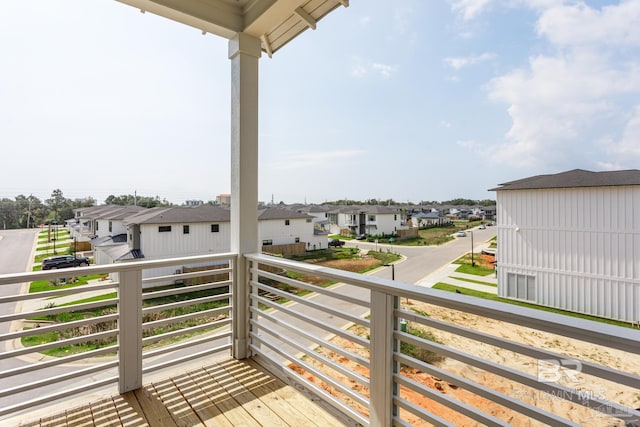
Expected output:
(225, 392)
(345, 345)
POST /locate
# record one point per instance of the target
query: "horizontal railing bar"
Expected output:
(51, 397)
(357, 397)
(58, 327)
(58, 292)
(189, 357)
(480, 390)
(320, 341)
(183, 345)
(309, 352)
(512, 374)
(180, 276)
(185, 289)
(183, 317)
(191, 329)
(324, 326)
(314, 288)
(598, 333)
(451, 403)
(58, 310)
(58, 361)
(13, 278)
(296, 379)
(185, 303)
(310, 303)
(587, 367)
(58, 378)
(60, 343)
(420, 413)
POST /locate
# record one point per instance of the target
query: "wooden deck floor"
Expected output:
(225, 393)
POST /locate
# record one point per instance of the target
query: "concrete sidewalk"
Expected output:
(448, 274)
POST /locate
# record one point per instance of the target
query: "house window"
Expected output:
(164, 228)
(185, 229)
(110, 226)
(267, 242)
(215, 228)
(297, 240)
(97, 224)
(287, 222)
(372, 218)
(308, 219)
(395, 217)
(521, 286)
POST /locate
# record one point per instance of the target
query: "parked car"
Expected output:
(361, 237)
(481, 227)
(336, 242)
(461, 234)
(489, 224)
(65, 261)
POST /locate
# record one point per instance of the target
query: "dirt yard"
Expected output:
(592, 387)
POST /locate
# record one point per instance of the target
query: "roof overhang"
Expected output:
(274, 22)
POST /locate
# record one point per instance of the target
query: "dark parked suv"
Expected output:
(64, 262)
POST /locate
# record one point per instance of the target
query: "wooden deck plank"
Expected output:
(234, 412)
(105, 414)
(265, 387)
(80, 417)
(129, 410)
(54, 420)
(153, 409)
(242, 395)
(226, 393)
(298, 400)
(200, 402)
(176, 404)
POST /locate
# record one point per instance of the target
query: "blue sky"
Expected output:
(408, 99)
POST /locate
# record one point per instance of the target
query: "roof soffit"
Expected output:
(274, 22)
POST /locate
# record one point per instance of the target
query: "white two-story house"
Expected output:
(372, 220)
(572, 241)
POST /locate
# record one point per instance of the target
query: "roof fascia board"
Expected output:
(211, 16)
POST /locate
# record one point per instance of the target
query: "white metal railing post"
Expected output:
(130, 330)
(382, 364)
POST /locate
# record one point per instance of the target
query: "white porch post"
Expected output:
(244, 53)
(130, 330)
(382, 365)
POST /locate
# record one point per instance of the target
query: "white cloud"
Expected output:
(469, 144)
(385, 70)
(580, 24)
(469, 9)
(358, 71)
(365, 20)
(557, 103)
(626, 152)
(446, 124)
(315, 159)
(458, 63)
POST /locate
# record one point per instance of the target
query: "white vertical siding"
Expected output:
(581, 244)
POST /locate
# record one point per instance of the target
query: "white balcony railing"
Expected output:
(352, 344)
(109, 332)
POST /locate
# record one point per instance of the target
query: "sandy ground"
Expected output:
(623, 395)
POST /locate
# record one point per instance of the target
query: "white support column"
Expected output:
(244, 53)
(130, 330)
(382, 364)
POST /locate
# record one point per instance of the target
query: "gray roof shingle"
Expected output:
(574, 178)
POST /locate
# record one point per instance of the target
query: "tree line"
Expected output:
(29, 211)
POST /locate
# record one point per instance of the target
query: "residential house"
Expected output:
(279, 226)
(373, 220)
(572, 241)
(320, 218)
